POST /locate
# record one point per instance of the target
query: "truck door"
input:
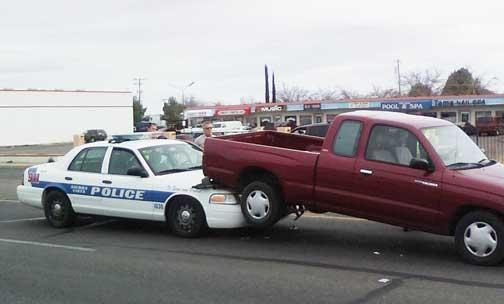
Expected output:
(389, 189)
(335, 172)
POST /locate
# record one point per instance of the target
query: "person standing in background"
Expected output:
(207, 132)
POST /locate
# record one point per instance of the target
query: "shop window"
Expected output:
(330, 117)
(499, 114)
(465, 117)
(450, 116)
(265, 120)
(429, 114)
(318, 119)
(480, 114)
(305, 120)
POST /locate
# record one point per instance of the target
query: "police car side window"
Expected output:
(89, 160)
(121, 161)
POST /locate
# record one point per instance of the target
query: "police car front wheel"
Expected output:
(58, 210)
(186, 218)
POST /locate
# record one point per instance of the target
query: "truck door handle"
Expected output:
(366, 172)
(68, 178)
(106, 182)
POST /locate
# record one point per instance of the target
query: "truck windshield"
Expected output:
(454, 147)
(172, 158)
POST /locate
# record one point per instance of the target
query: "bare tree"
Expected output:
(292, 94)
(378, 92)
(326, 94)
(425, 83)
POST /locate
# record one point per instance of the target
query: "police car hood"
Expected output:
(185, 179)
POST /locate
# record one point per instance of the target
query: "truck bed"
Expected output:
(291, 158)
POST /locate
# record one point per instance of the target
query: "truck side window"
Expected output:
(394, 145)
(347, 138)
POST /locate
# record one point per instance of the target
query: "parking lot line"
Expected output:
(8, 201)
(25, 219)
(47, 245)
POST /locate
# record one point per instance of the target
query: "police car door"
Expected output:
(83, 177)
(127, 195)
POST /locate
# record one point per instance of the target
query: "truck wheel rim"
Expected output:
(258, 204)
(480, 239)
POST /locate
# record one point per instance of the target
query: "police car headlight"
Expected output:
(223, 199)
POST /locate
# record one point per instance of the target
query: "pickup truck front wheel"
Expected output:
(479, 238)
(261, 204)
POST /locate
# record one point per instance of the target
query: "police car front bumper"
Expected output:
(224, 216)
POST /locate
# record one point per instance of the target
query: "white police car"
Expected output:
(144, 179)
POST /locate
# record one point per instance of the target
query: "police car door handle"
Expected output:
(366, 172)
(68, 178)
(107, 182)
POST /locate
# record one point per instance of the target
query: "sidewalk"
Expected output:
(22, 156)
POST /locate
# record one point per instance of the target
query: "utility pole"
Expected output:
(398, 77)
(138, 82)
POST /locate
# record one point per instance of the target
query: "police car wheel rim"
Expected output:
(258, 204)
(57, 209)
(185, 217)
(480, 239)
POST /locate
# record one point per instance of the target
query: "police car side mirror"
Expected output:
(137, 172)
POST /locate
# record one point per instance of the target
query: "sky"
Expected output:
(222, 46)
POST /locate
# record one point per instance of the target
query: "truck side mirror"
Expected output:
(421, 164)
(137, 171)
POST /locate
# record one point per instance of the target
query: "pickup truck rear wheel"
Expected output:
(479, 238)
(261, 204)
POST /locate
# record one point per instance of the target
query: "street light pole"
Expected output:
(182, 88)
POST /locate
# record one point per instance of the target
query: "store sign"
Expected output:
(358, 105)
(458, 102)
(199, 113)
(406, 106)
(312, 106)
(231, 112)
(270, 109)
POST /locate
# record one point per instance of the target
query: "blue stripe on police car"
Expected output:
(109, 192)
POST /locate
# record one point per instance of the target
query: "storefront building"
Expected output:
(457, 109)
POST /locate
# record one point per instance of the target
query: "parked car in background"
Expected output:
(319, 129)
(490, 125)
(468, 128)
(94, 135)
(142, 126)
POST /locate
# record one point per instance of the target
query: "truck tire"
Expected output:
(479, 238)
(58, 210)
(261, 204)
(186, 218)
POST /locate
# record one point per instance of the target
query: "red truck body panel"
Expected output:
(294, 156)
(324, 181)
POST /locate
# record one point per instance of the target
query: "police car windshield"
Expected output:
(172, 158)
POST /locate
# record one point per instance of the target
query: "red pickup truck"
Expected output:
(412, 171)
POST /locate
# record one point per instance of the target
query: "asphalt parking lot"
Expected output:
(317, 259)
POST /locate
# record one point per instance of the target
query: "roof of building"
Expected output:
(59, 90)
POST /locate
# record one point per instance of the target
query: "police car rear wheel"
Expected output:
(58, 210)
(186, 218)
